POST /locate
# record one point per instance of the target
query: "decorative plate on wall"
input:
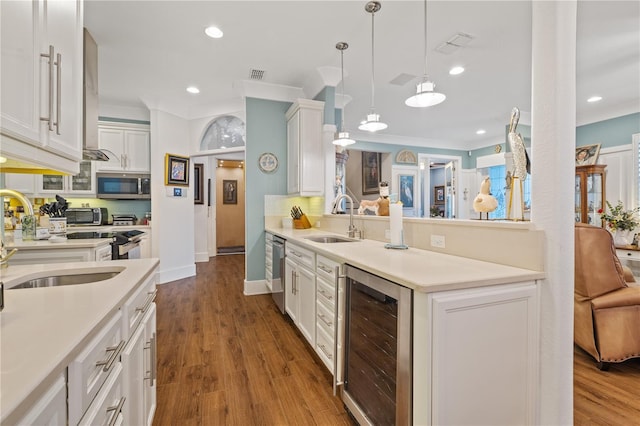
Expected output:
(407, 157)
(268, 162)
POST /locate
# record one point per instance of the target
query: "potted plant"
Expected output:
(620, 222)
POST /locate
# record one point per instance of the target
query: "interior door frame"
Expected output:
(424, 159)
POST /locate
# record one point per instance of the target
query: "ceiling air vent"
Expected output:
(256, 74)
(454, 43)
(402, 79)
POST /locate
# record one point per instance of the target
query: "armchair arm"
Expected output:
(628, 275)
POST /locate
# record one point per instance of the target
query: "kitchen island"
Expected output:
(45, 329)
(471, 357)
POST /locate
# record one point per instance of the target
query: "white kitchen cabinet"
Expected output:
(81, 184)
(466, 340)
(128, 145)
(107, 408)
(150, 367)
(21, 182)
(329, 318)
(51, 409)
(268, 260)
(300, 290)
(36, 86)
(631, 259)
(56, 253)
(305, 155)
(145, 246)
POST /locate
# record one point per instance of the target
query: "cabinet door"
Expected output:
(306, 289)
(51, 409)
(290, 293)
(137, 144)
(311, 167)
(20, 182)
(64, 22)
(133, 373)
(293, 154)
(151, 366)
(111, 139)
(19, 75)
(83, 182)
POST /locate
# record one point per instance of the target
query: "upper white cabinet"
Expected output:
(41, 77)
(130, 144)
(305, 160)
(82, 183)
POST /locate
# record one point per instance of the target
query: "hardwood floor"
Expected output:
(224, 358)
(605, 397)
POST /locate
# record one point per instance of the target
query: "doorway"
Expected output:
(230, 203)
(439, 177)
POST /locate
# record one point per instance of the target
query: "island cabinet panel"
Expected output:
(475, 356)
(51, 409)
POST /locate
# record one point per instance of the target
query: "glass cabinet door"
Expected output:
(82, 181)
(578, 199)
(52, 182)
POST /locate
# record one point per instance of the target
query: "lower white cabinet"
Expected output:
(631, 259)
(476, 339)
(54, 253)
(328, 316)
(300, 290)
(51, 409)
(107, 408)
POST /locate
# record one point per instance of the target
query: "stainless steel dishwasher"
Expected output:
(377, 387)
(277, 272)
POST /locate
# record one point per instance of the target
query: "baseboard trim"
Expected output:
(202, 257)
(165, 276)
(252, 288)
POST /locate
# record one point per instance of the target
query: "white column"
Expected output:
(553, 124)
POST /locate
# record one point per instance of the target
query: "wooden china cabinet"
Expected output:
(590, 193)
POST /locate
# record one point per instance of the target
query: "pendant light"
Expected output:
(425, 95)
(342, 138)
(372, 123)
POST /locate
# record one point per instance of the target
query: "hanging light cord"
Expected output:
(342, 78)
(373, 85)
(425, 39)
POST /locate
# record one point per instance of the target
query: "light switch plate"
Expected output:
(437, 241)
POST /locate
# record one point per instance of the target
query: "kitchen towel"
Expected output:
(395, 218)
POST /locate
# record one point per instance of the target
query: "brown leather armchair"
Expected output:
(606, 308)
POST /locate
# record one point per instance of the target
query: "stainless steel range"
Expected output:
(124, 244)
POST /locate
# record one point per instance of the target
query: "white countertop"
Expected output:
(43, 329)
(421, 270)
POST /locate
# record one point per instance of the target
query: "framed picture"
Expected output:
(229, 192)
(370, 172)
(176, 170)
(406, 184)
(438, 195)
(198, 179)
(587, 155)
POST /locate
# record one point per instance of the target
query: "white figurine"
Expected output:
(484, 201)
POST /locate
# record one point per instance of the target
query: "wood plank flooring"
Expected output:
(227, 359)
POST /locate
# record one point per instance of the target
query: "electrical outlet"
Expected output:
(387, 234)
(437, 241)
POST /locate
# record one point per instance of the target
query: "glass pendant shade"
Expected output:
(343, 139)
(372, 123)
(425, 96)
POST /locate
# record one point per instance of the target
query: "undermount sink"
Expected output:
(60, 280)
(330, 239)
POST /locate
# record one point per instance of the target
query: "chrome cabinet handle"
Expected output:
(50, 56)
(324, 350)
(324, 319)
(115, 352)
(153, 355)
(325, 268)
(58, 92)
(328, 296)
(117, 409)
(150, 298)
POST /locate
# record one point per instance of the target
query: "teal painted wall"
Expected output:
(608, 133)
(328, 96)
(266, 131)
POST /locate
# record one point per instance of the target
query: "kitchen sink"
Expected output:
(331, 239)
(60, 280)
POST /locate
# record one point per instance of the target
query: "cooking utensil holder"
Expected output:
(302, 223)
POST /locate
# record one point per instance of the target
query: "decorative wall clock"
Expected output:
(268, 162)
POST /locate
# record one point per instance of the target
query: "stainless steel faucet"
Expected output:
(353, 231)
(4, 256)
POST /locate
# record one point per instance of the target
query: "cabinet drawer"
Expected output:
(135, 307)
(324, 348)
(91, 368)
(325, 319)
(326, 293)
(326, 268)
(301, 256)
(108, 405)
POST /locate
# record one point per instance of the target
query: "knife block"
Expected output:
(302, 223)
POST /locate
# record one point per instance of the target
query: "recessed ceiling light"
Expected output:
(594, 99)
(214, 32)
(481, 132)
(3, 160)
(193, 89)
(456, 70)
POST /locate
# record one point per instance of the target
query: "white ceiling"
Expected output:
(150, 51)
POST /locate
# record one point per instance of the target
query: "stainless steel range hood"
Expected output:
(90, 148)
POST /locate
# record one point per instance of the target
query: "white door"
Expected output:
(450, 190)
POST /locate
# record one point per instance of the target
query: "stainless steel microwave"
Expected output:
(123, 186)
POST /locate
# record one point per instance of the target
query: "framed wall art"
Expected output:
(198, 180)
(405, 187)
(587, 155)
(176, 170)
(371, 170)
(438, 195)
(229, 192)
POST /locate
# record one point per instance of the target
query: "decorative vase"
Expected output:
(622, 237)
